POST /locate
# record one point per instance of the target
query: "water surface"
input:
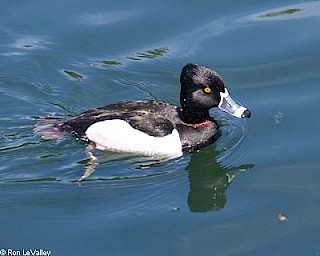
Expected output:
(61, 58)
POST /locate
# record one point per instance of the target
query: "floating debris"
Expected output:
(282, 218)
(278, 116)
(176, 209)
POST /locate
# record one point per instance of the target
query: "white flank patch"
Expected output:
(117, 135)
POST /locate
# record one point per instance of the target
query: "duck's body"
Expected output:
(153, 118)
(153, 127)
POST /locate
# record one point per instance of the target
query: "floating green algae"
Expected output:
(281, 13)
(74, 74)
(111, 62)
(149, 54)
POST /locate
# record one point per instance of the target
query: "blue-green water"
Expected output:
(63, 57)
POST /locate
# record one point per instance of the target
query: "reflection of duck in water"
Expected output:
(209, 181)
(150, 127)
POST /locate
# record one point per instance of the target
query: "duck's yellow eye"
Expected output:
(207, 90)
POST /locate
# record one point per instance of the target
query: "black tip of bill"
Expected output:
(246, 114)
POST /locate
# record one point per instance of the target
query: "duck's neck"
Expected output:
(192, 115)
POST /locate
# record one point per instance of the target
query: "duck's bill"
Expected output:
(227, 104)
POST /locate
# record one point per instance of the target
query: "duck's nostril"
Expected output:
(246, 114)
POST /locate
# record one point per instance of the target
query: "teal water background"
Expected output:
(64, 57)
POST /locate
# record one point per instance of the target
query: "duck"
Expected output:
(153, 127)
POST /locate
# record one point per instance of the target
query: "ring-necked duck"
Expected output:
(156, 128)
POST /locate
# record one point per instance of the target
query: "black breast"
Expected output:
(193, 138)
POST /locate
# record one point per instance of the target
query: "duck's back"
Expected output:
(155, 118)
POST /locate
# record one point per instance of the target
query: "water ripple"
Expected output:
(118, 170)
(109, 17)
(22, 45)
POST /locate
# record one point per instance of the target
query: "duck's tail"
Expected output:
(49, 127)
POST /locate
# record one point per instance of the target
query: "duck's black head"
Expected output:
(201, 89)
